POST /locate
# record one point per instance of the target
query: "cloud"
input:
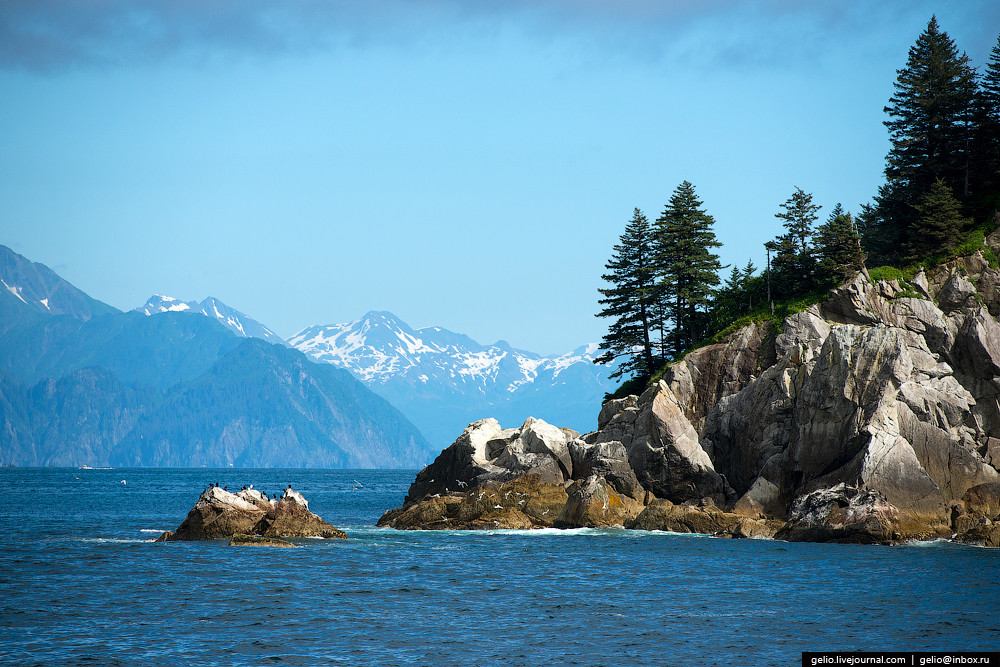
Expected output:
(43, 35)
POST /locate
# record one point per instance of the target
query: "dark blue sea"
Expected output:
(81, 583)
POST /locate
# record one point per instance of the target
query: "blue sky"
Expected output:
(462, 164)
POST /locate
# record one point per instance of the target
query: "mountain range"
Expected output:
(147, 363)
(441, 380)
(82, 383)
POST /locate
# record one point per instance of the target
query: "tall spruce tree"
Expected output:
(630, 300)
(689, 270)
(932, 129)
(988, 133)
(930, 116)
(794, 264)
(838, 246)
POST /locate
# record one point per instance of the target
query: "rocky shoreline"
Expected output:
(873, 417)
(250, 518)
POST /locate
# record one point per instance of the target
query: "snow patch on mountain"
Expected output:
(16, 291)
(237, 322)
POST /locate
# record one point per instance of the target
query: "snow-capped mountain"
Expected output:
(443, 380)
(240, 323)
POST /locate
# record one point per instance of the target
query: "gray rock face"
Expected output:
(957, 292)
(665, 453)
(899, 397)
(710, 373)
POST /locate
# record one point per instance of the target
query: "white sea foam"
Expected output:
(673, 534)
(111, 540)
(938, 542)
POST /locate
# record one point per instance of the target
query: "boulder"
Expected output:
(984, 499)
(594, 503)
(844, 513)
(290, 518)
(977, 520)
(608, 460)
(615, 407)
(486, 453)
(221, 514)
(762, 499)
(957, 292)
(984, 535)
(460, 464)
(839, 514)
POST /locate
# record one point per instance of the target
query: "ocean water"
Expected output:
(82, 584)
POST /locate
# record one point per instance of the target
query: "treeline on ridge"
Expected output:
(941, 193)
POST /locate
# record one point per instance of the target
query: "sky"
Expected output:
(463, 164)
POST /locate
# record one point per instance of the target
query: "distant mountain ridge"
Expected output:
(443, 380)
(82, 383)
(439, 379)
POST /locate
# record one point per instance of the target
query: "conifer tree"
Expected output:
(794, 264)
(629, 300)
(930, 116)
(838, 246)
(988, 133)
(940, 221)
(689, 270)
(881, 236)
(726, 307)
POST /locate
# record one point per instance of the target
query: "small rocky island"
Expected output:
(250, 518)
(873, 417)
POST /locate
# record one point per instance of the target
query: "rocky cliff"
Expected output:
(871, 417)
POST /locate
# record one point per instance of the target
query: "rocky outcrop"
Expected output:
(710, 373)
(871, 417)
(221, 514)
(646, 448)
